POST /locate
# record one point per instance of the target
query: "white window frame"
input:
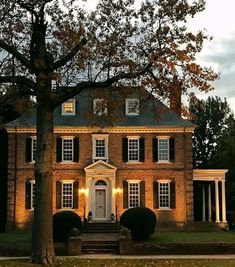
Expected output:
(95, 103)
(74, 109)
(33, 150)
(168, 148)
(96, 137)
(63, 182)
(137, 111)
(128, 149)
(129, 193)
(161, 194)
(72, 149)
(32, 195)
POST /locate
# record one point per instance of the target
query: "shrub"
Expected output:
(140, 221)
(63, 223)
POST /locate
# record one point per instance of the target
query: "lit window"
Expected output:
(164, 194)
(132, 106)
(67, 195)
(133, 149)
(100, 106)
(68, 107)
(100, 147)
(133, 194)
(67, 149)
(163, 149)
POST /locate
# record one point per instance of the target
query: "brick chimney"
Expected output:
(175, 96)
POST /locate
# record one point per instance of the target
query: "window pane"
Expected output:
(163, 149)
(67, 149)
(32, 195)
(132, 106)
(133, 149)
(133, 195)
(100, 148)
(164, 195)
(67, 200)
(34, 145)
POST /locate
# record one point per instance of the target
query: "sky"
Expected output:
(218, 21)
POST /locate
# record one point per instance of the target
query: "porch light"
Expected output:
(83, 191)
(117, 190)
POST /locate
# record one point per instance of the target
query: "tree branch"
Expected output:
(13, 51)
(25, 85)
(61, 62)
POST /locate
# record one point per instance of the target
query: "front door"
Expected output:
(100, 204)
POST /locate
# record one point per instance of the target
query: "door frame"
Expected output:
(98, 187)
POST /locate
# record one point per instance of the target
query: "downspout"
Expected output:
(15, 176)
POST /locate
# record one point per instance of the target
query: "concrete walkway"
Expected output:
(147, 257)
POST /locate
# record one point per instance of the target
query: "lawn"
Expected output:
(127, 263)
(16, 237)
(194, 237)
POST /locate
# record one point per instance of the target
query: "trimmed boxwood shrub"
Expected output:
(63, 223)
(140, 221)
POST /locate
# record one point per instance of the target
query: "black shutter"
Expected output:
(141, 151)
(142, 193)
(124, 149)
(76, 149)
(28, 195)
(172, 200)
(125, 194)
(28, 149)
(75, 194)
(172, 148)
(155, 195)
(155, 149)
(58, 194)
(58, 149)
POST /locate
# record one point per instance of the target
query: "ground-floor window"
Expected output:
(133, 194)
(164, 194)
(67, 195)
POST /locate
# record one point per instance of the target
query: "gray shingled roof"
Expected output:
(153, 113)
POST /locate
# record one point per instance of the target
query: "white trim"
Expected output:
(138, 149)
(63, 182)
(74, 108)
(133, 182)
(67, 138)
(168, 148)
(169, 194)
(127, 102)
(32, 183)
(115, 129)
(32, 150)
(209, 174)
(96, 137)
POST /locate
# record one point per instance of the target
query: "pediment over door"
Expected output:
(100, 166)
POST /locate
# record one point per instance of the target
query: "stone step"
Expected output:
(93, 246)
(100, 228)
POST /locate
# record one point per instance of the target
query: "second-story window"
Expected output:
(163, 149)
(100, 147)
(31, 144)
(67, 149)
(133, 149)
(68, 107)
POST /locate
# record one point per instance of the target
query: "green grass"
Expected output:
(127, 263)
(17, 237)
(194, 237)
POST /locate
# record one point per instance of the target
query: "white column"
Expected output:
(223, 202)
(209, 203)
(203, 205)
(217, 215)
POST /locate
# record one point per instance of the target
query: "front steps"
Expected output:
(100, 237)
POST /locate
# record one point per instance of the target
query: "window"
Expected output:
(34, 146)
(68, 107)
(132, 106)
(31, 144)
(133, 149)
(67, 149)
(100, 147)
(30, 194)
(133, 194)
(164, 194)
(100, 106)
(67, 195)
(163, 149)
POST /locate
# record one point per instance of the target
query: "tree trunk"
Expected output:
(42, 236)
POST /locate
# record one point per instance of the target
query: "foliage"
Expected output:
(63, 224)
(213, 118)
(52, 50)
(140, 221)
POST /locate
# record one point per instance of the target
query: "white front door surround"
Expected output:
(218, 176)
(100, 184)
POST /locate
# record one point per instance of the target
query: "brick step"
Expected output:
(99, 251)
(93, 246)
(100, 228)
(94, 231)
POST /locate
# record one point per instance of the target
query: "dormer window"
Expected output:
(68, 107)
(132, 106)
(100, 106)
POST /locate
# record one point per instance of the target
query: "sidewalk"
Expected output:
(151, 257)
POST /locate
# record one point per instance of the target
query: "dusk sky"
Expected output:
(218, 21)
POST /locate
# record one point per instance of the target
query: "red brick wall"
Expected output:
(180, 171)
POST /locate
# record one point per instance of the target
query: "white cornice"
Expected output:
(209, 174)
(115, 129)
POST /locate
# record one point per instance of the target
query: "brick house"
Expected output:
(112, 151)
